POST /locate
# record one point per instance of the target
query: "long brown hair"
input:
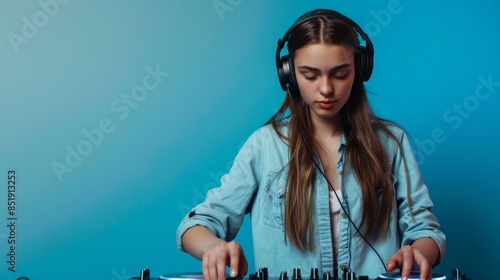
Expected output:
(365, 154)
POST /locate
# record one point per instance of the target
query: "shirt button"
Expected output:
(344, 215)
(279, 191)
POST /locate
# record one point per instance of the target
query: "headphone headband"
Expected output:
(363, 59)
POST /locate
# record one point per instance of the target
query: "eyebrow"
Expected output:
(336, 68)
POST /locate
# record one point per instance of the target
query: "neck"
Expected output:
(325, 129)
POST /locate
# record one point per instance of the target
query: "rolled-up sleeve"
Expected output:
(224, 208)
(420, 222)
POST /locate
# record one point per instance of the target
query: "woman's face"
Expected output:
(325, 74)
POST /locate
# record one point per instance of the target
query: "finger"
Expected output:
(243, 269)
(208, 267)
(234, 259)
(204, 267)
(424, 266)
(407, 264)
(394, 261)
(220, 264)
(392, 264)
(425, 272)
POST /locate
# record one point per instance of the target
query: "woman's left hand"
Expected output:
(407, 259)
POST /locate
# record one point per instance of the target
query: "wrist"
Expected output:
(210, 245)
(428, 248)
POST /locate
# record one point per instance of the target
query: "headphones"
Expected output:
(363, 58)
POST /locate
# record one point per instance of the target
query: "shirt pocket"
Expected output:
(274, 202)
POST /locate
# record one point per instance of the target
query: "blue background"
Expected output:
(65, 67)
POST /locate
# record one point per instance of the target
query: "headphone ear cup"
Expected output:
(294, 86)
(360, 65)
(286, 74)
(368, 60)
(281, 73)
(364, 65)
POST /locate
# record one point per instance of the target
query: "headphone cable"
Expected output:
(328, 182)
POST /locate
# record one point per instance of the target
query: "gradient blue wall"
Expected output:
(118, 116)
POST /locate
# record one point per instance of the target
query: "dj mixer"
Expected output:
(455, 274)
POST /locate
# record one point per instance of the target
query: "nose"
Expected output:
(326, 86)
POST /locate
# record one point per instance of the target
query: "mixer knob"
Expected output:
(456, 274)
(263, 273)
(346, 271)
(327, 275)
(296, 274)
(314, 274)
(283, 276)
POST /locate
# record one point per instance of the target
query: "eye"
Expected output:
(340, 74)
(310, 76)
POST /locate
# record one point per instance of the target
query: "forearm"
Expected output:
(428, 248)
(197, 239)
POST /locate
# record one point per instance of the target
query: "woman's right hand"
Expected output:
(217, 257)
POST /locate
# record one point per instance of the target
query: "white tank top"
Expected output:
(334, 218)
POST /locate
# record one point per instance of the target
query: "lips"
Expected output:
(327, 104)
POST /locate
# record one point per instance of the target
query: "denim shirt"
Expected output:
(256, 184)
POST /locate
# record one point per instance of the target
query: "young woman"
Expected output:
(328, 184)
